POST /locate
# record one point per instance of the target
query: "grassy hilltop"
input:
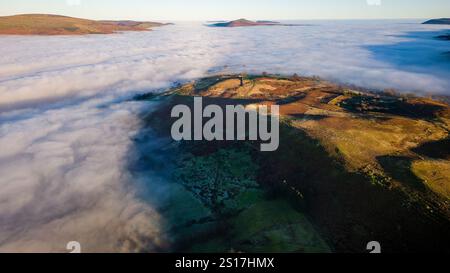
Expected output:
(46, 24)
(353, 166)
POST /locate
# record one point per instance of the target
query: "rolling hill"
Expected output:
(248, 23)
(441, 21)
(358, 164)
(47, 24)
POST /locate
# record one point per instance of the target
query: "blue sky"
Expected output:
(231, 9)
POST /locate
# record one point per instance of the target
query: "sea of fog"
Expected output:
(67, 125)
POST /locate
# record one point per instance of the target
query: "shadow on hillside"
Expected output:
(391, 105)
(399, 168)
(435, 149)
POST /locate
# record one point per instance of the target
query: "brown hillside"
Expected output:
(46, 24)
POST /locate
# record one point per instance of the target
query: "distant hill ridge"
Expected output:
(441, 21)
(247, 23)
(241, 23)
(51, 24)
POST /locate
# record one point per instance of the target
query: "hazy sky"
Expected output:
(231, 9)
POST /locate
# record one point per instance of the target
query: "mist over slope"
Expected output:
(66, 125)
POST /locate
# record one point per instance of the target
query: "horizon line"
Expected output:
(203, 20)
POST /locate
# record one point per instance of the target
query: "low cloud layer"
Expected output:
(66, 128)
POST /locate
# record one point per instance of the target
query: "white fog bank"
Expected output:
(66, 126)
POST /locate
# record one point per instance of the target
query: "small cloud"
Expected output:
(373, 2)
(73, 2)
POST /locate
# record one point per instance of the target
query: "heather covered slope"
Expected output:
(359, 128)
(45, 24)
(359, 166)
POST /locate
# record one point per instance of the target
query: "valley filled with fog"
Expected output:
(68, 124)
